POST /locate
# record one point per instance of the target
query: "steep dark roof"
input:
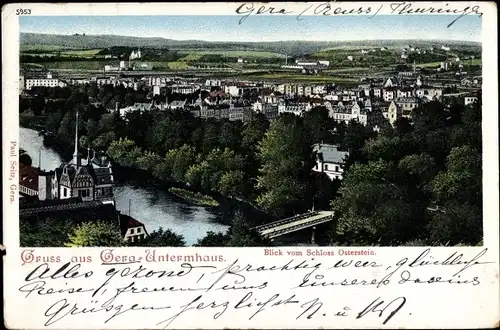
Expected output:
(28, 176)
(50, 202)
(102, 175)
(330, 153)
(61, 207)
(127, 222)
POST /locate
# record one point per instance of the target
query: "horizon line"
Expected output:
(250, 41)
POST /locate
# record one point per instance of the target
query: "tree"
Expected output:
(163, 237)
(213, 240)
(210, 136)
(124, 151)
(184, 158)
(355, 136)
(382, 147)
(402, 126)
(420, 167)
(148, 161)
(241, 235)
(285, 198)
(214, 166)
(372, 207)
(95, 234)
(24, 104)
(462, 180)
(38, 105)
(92, 129)
(287, 160)
(253, 132)
(66, 129)
(460, 223)
(230, 135)
(354, 139)
(386, 129)
(49, 232)
(194, 175)
(137, 124)
(322, 190)
(318, 125)
(231, 183)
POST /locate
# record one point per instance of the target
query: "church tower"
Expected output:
(76, 158)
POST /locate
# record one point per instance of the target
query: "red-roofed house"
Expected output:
(131, 229)
(28, 180)
(218, 93)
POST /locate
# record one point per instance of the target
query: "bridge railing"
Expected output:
(286, 220)
(299, 226)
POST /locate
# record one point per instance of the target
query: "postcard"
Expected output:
(250, 165)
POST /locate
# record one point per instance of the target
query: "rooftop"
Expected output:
(127, 222)
(330, 153)
(28, 176)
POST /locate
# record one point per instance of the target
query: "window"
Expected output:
(132, 230)
(336, 168)
(326, 167)
(65, 192)
(83, 193)
(138, 230)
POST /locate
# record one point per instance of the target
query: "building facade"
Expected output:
(330, 160)
(89, 179)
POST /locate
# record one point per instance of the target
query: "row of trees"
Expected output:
(54, 232)
(269, 166)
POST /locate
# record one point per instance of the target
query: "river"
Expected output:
(155, 208)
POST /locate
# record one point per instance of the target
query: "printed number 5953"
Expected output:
(23, 11)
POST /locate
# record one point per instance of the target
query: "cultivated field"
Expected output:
(196, 54)
(263, 64)
(290, 77)
(26, 47)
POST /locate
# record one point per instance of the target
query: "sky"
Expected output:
(262, 28)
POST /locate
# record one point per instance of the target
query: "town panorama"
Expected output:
(130, 141)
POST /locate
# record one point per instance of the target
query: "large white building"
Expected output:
(135, 54)
(402, 107)
(49, 81)
(297, 109)
(362, 112)
(330, 160)
(468, 100)
(184, 88)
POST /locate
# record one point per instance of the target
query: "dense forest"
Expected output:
(417, 183)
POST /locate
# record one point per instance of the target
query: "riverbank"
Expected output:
(145, 200)
(226, 206)
(225, 209)
(194, 197)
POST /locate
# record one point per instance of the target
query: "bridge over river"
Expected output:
(293, 224)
